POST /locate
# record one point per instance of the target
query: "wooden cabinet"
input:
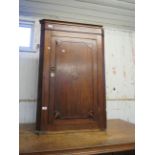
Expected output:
(71, 92)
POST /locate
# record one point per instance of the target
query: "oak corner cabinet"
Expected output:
(71, 89)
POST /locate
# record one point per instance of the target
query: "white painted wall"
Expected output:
(119, 58)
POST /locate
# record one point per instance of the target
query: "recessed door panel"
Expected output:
(75, 61)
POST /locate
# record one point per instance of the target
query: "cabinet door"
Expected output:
(73, 78)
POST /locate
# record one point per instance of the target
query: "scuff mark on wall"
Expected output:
(114, 70)
(124, 74)
(133, 55)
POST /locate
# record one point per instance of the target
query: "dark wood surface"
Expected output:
(71, 92)
(118, 139)
(57, 25)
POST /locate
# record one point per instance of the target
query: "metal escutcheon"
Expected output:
(50, 26)
(52, 74)
(44, 108)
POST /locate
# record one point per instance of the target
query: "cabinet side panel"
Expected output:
(40, 74)
(104, 80)
(43, 83)
(101, 84)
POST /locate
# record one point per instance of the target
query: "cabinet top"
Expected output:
(42, 21)
(56, 25)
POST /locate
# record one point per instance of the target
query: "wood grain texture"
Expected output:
(74, 91)
(119, 136)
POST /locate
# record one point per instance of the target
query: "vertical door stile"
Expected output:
(101, 85)
(52, 74)
(95, 80)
